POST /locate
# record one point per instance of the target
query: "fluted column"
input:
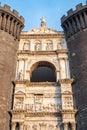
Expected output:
(65, 126)
(13, 125)
(21, 126)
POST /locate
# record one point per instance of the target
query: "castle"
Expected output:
(39, 90)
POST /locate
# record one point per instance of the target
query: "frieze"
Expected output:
(38, 107)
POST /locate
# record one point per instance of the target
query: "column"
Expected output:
(21, 125)
(73, 126)
(65, 126)
(17, 69)
(25, 74)
(13, 125)
(62, 68)
(67, 68)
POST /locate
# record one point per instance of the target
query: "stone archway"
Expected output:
(43, 71)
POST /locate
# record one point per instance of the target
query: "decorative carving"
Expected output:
(40, 107)
(35, 127)
(18, 103)
(26, 46)
(37, 47)
(20, 75)
(51, 127)
(49, 46)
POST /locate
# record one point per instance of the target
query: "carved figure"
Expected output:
(48, 46)
(35, 127)
(37, 47)
(20, 75)
(26, 46)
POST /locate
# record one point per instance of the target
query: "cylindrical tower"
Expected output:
(10, 27)
(75, 29)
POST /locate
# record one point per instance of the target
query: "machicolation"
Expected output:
(10, 21)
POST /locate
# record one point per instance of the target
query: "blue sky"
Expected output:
(33, 10)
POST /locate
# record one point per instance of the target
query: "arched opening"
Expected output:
(17, 126)
(43, 72)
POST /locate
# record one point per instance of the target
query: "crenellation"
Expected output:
(69, 12)
(15, 13)
(22, 19)
(79, 6)
(6, 7)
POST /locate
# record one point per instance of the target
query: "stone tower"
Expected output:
(10, 27)
(43, 98)
(75, 29)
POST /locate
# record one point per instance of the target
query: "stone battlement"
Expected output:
(71, 12)
(75, 21)
(10, 21)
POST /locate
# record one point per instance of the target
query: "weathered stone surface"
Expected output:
(77, 45)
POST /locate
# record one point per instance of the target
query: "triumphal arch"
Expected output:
(43, 98)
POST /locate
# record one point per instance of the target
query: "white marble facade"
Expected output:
(43, 105)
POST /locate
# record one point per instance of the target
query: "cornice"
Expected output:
(66, 81)
(64, 111)
(42, 52)
(36, 36)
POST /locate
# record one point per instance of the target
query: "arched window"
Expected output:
(43, 72)
(17, 126)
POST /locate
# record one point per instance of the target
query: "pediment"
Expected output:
(20, 93)
(42, 30)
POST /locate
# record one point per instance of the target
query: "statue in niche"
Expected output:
(26, 46)
(48, 46)
(20, 75)
(37, 47)
(59, 46)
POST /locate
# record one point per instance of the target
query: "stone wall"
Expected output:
(10, 28)
(77, 45)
